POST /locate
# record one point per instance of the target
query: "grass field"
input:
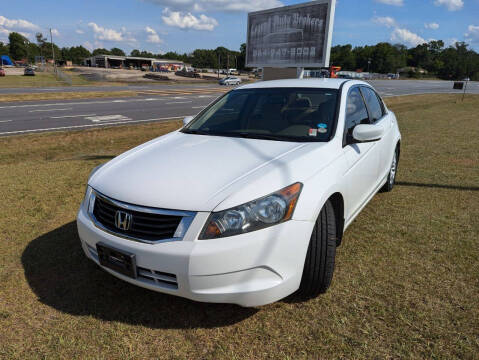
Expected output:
(39, 80)
(67, 95)
(406, 283)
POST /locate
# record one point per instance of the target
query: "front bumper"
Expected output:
(251, 269)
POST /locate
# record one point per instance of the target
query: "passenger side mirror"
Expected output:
(187, 120)
(368, 132)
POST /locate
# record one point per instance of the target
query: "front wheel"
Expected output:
(319, 264)
(388, 186)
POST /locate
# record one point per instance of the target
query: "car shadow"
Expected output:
(62, 277)
(438, 186)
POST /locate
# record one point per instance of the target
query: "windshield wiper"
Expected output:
(195, 132)
(247, 135)
(269, 137)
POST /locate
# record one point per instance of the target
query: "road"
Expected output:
(153, 103)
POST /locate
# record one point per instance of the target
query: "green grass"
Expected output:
(39, 80)
(65, 95)
(46, 79)
(406, 283)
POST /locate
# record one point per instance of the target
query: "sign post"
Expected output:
(296, 36)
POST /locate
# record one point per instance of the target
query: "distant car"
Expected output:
(2, 72)
(230, 80)
(29, 72)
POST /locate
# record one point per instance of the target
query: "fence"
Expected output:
(59, 74)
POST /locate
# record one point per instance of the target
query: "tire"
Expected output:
(389, 185)
(319, 264)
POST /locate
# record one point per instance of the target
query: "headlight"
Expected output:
(255, 215)
(86, 199)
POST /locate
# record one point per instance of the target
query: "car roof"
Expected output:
(325, 83)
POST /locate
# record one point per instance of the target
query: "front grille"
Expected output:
(158, 278)
(143, 226)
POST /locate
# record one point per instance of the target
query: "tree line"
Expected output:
(20, 48)
(458, 61)
(453, 62)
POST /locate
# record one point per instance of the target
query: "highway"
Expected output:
(153, 104)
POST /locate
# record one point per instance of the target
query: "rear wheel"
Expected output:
(319, 264)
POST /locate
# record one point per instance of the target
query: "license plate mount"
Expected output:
(117, 260)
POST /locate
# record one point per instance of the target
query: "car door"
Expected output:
(377, 113)
(363, 162)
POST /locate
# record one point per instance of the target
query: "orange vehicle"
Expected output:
(333, 70)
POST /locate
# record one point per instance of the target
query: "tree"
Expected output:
(100, 51)
(41, 42)
(18, 46)
(203, 58)
(242, 57)
(135, 53)
(362, 56)
(4, 49)
(343, 56)
(117, 52)
(40, 39)
(75, 54)
(145, 54)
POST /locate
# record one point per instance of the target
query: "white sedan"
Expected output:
(246, 203)
(230, 80)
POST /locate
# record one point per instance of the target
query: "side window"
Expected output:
(373, 103)
(356, 112)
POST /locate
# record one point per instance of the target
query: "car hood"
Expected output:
(188, 172)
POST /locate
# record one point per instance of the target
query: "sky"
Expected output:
(184, 25)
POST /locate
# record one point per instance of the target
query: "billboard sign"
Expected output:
(291, 36)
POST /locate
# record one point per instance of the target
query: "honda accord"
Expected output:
(248, 201)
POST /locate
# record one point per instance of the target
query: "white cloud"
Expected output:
(473, 34)
(152, 36)
(399, 35)
(101, 33)
(55, 32)
(4, 34)
(9, 25)
(79, 31)
(432, 26)
(218, 5)
(13, 24)
(385, 21)
(391, 2)
(188, 20)
(451, 5)
(404, 36)
(451, 42)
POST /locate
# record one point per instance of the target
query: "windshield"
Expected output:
(284, 114)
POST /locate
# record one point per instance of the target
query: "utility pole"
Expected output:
(219, 58)
(228, 64)
(26, 48)
(369, 64)
(465, 89)
(53, 52)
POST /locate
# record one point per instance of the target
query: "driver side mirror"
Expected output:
(368, 132)
(187, 120)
